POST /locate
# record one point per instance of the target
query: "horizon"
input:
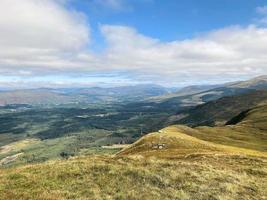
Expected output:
(109, 43)
(104, 86)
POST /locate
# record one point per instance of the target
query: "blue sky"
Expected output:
(170, 20)
(65, 43)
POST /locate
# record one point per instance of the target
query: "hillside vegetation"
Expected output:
(177, 162)
(199, 177)
(248, 135)
(218, 112)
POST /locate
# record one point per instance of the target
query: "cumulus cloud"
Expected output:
(229, 50)
(39, 33)
(34, 43)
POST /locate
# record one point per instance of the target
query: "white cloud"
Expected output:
(39, 33)
(229, 50)
(39, 37)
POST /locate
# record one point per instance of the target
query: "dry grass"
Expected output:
(178, 144)
(195, 177)
(191, 169)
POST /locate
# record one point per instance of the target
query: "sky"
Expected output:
(80, 43)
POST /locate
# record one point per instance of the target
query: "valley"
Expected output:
(133, 100)
(102, 150)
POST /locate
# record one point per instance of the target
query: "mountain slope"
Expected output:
(185, 91)
(259, 82)
(218, 112)
(33, 97)
(246, 130)
(169, 141)
(229, 89)
(248, 136)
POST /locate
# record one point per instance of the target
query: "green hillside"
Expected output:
(218, 112)
(248, 135)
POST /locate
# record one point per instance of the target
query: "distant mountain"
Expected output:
(195, 89)
(218, 112)
(50, 96)
(135, 92)
(259, 82)
(163, 97)
(185, 91)
(33, 97)
(229, 89)
(178, 103)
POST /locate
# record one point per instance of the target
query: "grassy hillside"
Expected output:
(218, 112)
(248, 135)
(200, 177)
(175, 142)
(259, 82)
(248, 130)
(185, 91)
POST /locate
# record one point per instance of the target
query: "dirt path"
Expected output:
(9, 159)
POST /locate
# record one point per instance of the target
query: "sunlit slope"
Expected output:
(246, 130)
(218, 112)
(169, 139)
(246, 136)
(173, 142)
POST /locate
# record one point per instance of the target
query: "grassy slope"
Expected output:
(178, 143)
(248, 135)
(209, 177)
(221, 110)
(249, 132)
